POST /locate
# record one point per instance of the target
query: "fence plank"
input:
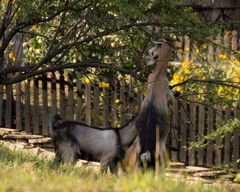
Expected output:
(175, 128)
(201, 121)
(88, 103)
(36, 127)
(227, 140)
(192, 131)
(80, 115)
(1, 105)
(209, 131)
(236, 136)
(218, 150)
(27, 106)
(140, 98)
(44, 106)
(105, 107)
(130, 99)
(53, 94)
(70, 97)
(9, 107)
(186, 48)
(113, 105)
(18, 107)
(123, 102)
(96, 106)
(62, 95)
(183, 152)
(218, 41)
(234, 42)
(179, 49)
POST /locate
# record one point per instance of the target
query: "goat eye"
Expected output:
(159, 45)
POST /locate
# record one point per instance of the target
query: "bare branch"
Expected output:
(26, 73)
(211, 81)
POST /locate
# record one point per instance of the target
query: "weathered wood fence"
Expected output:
(28, 105)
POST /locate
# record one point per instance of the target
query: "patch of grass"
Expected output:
(22, 172)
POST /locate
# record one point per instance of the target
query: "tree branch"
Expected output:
(25, 74)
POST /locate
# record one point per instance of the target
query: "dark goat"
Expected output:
(153, 114)
(74, 140)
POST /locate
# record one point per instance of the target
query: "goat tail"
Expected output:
(52, 123)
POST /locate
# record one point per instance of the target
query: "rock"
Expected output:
(197, 169)
(208, 174)
(176, 165)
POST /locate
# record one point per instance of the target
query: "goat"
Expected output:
(153, 114)
(73, 140)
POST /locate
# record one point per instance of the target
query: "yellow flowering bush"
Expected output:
(211, 78)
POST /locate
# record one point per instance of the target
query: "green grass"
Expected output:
(22, 172)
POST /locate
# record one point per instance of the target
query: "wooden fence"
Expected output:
(28, 105)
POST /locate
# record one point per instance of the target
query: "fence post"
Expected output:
(179, 50)
(18, 107)
(62, 95)
(96, 106)
(131, 98)
(175, 128)
(53, 94)
(18, 53)
(186, 48)
(105, 107)
(9, 107)
(227, 140)
(236, 138)
(123, 102)
(113, 105)
(88, 103)
(1, 105)
(183, 152)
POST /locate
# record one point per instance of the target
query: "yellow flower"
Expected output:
(220, 90)
(117, 101)
(186, 66)
(204, 46)
(179, 88)
(105, 85)
(34, 27)
(177, 78)
(187, 49)
(87, 81)
(11, 56)
(222, 56)
(197, 50)
(203, 77)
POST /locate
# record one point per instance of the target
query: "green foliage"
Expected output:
(227, 127)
